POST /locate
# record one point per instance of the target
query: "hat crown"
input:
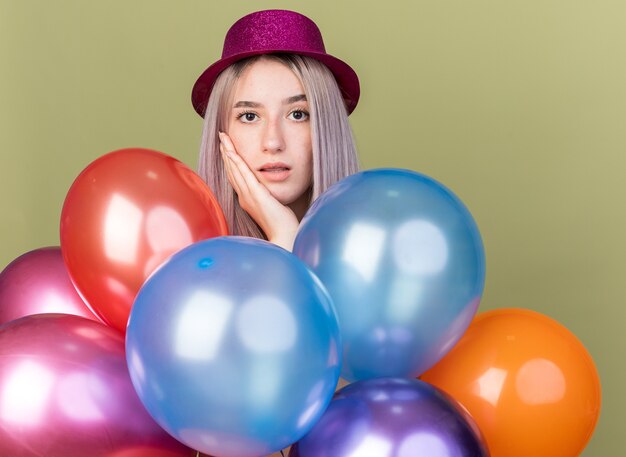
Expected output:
(273, 30)
(270, 32)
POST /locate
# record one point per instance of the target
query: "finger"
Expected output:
(227, 142)
(230, 174)
(227, 164)
(231, 180)
(239, 182)
(241, 168)
(229, 149)
(239, 164)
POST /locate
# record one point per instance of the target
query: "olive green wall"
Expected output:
(517, 106)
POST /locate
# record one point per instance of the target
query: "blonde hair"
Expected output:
(334, 151)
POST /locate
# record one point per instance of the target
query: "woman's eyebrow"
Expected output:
(295, 98)
(245, 104)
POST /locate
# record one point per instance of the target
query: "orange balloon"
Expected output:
(124, 215)
(529, 383)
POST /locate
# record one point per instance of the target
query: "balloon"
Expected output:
(65, 392)
(392, 417)
(528, 382)
(403, 262)
(233, 347)
(124, 214)
(37, 282)
(148, 451)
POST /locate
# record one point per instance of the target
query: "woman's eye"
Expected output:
(299, 115)
(247, 117)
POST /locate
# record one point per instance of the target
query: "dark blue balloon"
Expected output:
(392, 417)
(233, 347)
(403, 261)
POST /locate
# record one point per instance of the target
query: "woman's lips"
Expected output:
(275, 172)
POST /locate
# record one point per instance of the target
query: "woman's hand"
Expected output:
(278, 222)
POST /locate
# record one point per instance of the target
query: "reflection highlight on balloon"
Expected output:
(201, 326)
(363, 249)
(257, 322)
(79, 395)
(122, 225)
(161, 223)
(373, 446)
(540, 381)
(26, 393)
(489, 385)
(165, 231)
(419, 248)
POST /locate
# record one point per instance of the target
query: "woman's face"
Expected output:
(270, 129)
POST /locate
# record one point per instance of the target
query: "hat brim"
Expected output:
(346, 78)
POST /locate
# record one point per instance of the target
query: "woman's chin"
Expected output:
(282, 195)
(297, 201)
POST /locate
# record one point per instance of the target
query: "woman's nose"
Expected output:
(273, 139)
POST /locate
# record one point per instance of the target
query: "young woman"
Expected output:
(276, 131)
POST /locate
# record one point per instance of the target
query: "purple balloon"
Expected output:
(392, 417)
(37, 282)
(65, 391)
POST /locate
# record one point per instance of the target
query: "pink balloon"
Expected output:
(65, 391)
(38, 282)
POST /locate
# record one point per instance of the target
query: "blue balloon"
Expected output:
(391, 417)
(403, 261)
(233, 347)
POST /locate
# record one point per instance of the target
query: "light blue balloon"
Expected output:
(233, 347)
(403, 261)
